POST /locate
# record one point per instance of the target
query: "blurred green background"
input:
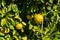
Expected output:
(15, 11)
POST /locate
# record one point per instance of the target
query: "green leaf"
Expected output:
(54, 7)
(7, 36)
(1, 34)
(56, 38)
(22, 30)
(49, 8)
(46, 38)
(53, 28)
(46, 30)
(14, 32)
(52, 18)
(58, 1)
(59, 19)
(3, 21)
(15, 8)
(42, 1)
(2, 38)
(13, 22)
(9, 8)
(16, 37)
(55, 13)
(19, 37)
(0, 11)
(11, 27)
(7, 25)
(34, 9)
(3, 11)
(30, 27)
(51, 1)
(3, 3)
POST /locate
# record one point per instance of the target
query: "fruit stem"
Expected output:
(42, 29)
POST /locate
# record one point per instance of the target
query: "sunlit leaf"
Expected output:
(11, 27)
(30, 27)
(3, 22)
(9, 8)
(1, 34)
(15, 8)
(2, 38)
(51, 1)
(46, 38)
(3, 3)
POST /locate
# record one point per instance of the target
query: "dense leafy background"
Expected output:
(15, 11)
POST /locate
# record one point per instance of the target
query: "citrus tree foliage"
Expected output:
(13, 12)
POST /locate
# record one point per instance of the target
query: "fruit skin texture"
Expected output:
(19, 26)
(38, 18)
